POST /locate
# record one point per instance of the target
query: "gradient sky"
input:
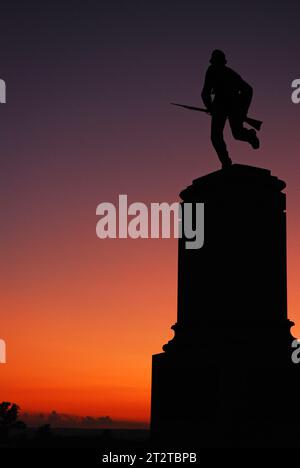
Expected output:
(88, 118)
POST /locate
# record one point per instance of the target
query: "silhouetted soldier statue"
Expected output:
(232, 98)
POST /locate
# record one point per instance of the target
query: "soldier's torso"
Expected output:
(225, 86)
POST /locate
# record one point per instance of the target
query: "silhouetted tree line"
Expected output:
(9, 419)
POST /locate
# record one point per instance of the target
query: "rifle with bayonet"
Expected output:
(252, 122)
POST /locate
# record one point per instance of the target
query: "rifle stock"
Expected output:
(253, 123)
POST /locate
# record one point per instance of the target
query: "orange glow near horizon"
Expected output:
(83, 346)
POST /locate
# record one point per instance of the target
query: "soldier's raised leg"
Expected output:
(239, 132)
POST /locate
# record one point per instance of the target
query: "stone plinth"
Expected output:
(228, 368)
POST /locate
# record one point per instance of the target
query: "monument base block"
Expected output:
(222, 403)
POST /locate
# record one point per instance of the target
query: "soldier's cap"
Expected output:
(218, 57)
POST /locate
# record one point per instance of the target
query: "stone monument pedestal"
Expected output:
(227, 378)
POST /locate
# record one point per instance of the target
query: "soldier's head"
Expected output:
(218, 58)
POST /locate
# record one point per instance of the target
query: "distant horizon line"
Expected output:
(73, 421)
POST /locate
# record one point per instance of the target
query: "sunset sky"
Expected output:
(88, 118)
